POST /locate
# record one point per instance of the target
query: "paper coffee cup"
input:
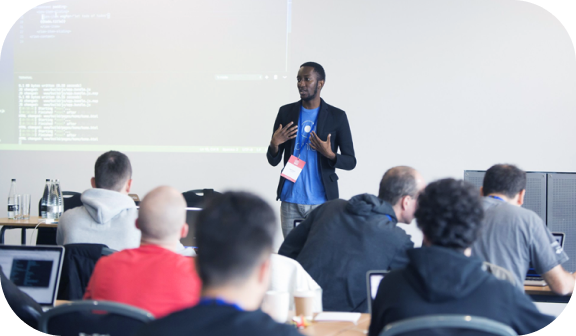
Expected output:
(276, 304)
(304, 303)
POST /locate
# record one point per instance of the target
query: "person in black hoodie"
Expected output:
(442, 278)
(234, 232)
(342, 240)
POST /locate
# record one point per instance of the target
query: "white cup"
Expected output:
(304, 302)
(276, 304)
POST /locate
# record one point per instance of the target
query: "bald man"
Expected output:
(154, 276)
(342, 240)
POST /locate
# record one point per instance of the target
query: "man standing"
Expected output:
(310, 132)
(342, 240)
(512, 236)
(154, 276)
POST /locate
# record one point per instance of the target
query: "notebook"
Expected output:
(532, 277)
(35, 270)
(373, 279)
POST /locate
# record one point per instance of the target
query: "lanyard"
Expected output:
(496, 197)
(389, 217)
(217, 302)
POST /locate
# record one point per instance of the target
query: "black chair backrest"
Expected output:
(197, 198)
(21, 303)
(79, 262)
(93, 317)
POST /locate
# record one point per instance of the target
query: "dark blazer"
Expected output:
(331, 120)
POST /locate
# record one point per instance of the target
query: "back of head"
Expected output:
(162, 214)
(112, 170)
(504, 179)
(317, 68)
(450, 213)
(398, 182)
(234, 234)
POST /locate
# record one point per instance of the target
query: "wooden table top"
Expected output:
(338, 328)
(29, 223)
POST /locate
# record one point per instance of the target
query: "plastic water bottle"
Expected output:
(12, 207)
(52, 205)
(44, 201)
(60, 198)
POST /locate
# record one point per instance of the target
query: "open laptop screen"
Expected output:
(373, 281)
(35, 270)
(559, 236)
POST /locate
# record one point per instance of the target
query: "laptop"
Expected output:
(535, 279)
(191, 216)
(35, 270)
(373, 279)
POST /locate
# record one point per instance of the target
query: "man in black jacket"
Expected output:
(342, 240)
(442, 278)
(234, 233)
(311, 132)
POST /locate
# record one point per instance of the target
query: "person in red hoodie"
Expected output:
(153, 276)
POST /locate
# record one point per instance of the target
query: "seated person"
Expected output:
(287, 275)
(108, 214)
(152, 277)
(442, 278)
(234, 232)
(25, 307)
(513, 237)
(342, 240)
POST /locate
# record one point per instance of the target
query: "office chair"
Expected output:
(93, 317)
(197, 198)
(447, 325)
(77, 268)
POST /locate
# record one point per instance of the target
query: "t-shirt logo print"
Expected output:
(307, 127)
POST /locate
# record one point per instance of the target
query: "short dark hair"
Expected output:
(317, 68)
(396, 183)
(504, 179)
(112, 170)
(233, 232)
(450, 213)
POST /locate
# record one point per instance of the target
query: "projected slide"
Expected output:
(149, 75)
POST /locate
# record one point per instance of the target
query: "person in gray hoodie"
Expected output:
(342, 240)
(108, 215)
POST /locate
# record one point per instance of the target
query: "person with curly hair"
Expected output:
(442, 277)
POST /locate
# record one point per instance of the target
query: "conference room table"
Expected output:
(338, 328)
(31, 223)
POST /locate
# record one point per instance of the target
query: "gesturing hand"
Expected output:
(322, 147)
(284, 134)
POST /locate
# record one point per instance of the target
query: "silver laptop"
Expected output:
(373, 279)
(535, 279)
(35, 270)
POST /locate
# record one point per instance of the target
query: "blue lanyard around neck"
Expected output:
(218, 302)
(496, 197)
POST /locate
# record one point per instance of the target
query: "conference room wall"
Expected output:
(442, 86)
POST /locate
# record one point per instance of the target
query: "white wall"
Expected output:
(440, 85)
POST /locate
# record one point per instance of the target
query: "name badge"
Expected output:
(293, 169)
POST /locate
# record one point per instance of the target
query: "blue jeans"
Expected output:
(292, 211)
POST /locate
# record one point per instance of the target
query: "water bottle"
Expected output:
(60, 198)
(12, 207)
(44, 201)
(52, 205)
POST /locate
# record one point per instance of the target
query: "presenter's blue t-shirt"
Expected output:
(308, 188)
